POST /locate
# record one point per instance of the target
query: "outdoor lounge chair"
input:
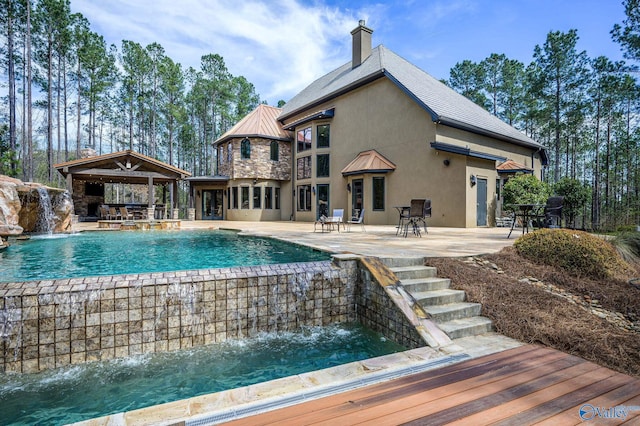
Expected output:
(356, 220)
(104, 212)
(114, 214)
(126, 214)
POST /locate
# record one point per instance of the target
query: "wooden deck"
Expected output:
(522, 386)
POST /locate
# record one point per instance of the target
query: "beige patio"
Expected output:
(379, 240)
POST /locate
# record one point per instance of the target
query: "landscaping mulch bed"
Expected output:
(598, 320)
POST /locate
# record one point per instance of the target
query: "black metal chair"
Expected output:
(419, 211)
(552, 214)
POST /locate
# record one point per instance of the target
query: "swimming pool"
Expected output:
(81, 392)
(117, 252)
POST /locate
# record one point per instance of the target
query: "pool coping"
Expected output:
(270, 395)
(262, 397)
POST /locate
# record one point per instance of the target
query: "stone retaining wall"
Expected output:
(50, 324)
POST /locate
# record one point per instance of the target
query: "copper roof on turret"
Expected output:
(262, 122)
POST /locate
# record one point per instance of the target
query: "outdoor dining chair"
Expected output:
(418, 212)
(359, 220)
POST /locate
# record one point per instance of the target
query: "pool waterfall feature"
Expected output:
(33, 208)
(55, 323)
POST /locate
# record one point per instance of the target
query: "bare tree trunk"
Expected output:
(12, 88)
(25, 154)
(79, 111)
(66, 129)
(595, 203)
(50, 107)
(58, 102)
(29, 95)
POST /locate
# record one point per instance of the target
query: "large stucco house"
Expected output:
(372, 134)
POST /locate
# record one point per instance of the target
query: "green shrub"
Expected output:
(576, 252)
(575, 194)
(525, 189)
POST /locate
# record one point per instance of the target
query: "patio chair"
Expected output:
(104, 212)
(126, 214)
(336, 219)
(419, 210)
(356, 220)
(114, 214)
(552, 214)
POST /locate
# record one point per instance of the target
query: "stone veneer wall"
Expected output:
(50, 324)
(377, 311)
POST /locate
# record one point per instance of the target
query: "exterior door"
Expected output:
(357, 197)
(212, 206)
(322, 201)
(481, 206)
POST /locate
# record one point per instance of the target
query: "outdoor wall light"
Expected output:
(128, 164)
(473, 180)
(446, 162)
(313, 190)
(348, 187)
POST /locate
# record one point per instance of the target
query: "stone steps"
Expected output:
(446, 307)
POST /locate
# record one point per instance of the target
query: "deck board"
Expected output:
(519, 386)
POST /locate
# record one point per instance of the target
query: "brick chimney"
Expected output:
(361, 44)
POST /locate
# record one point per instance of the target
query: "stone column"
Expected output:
(175, 214)
(191, 214)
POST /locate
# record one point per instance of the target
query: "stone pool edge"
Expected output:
(265, 396)
(224, 406)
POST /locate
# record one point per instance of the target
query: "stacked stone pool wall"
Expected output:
(55, 323)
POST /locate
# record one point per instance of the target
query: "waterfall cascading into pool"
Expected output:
(46, 216)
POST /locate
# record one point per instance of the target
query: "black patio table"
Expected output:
(403, 213)
(525, 212)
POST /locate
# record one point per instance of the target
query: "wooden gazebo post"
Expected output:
(151, 208)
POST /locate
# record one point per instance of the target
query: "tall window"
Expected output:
(304, 167)
(304, 139)
(245, 197)
(304, 198)
(257, 197)
(322, 164)
(275, 153)
(268, 197)
(229, 152)
(234, 192)
(322, 139)
(276, 196)
(245, 149)
(221, 154)
(378, 193)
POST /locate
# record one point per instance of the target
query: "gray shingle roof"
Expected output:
(445, 105)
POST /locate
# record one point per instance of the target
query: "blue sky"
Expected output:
(283, 45)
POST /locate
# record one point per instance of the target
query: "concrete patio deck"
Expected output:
(377, 240)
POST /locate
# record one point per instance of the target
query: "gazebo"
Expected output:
(86, 178)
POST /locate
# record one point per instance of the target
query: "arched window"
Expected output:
(245, 149)
(275, 154)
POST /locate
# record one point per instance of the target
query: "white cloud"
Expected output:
(280, 46)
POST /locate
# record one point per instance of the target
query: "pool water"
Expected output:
(119, 252)
(86, 391)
